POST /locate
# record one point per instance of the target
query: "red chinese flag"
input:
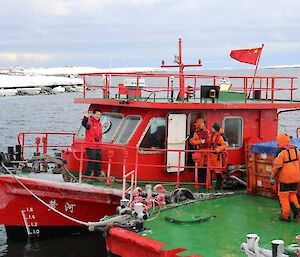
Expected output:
(246, 55)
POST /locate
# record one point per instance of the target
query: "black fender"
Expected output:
(181, 194)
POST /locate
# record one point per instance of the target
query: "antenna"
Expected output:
(178, 60)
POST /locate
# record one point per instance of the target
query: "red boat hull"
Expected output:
(19, 208)
(118, 240)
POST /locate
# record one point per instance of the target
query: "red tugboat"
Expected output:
(147, 119)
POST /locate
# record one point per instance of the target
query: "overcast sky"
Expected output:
(48, 33)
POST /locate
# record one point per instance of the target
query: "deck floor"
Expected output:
(236, 216)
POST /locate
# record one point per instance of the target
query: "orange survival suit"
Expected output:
(286, 170)
(201, 141)
(218, 144)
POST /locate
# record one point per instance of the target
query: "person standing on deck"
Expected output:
(218, 144)
(93, 136)
(286, 170)
(201, 141)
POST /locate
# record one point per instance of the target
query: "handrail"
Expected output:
(126, 148)
(267, 86)
(131, 187)
(43, 137)
(134, 172)
(79, 156)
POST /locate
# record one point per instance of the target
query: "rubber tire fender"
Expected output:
(181, 194)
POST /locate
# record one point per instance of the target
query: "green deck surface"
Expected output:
(236, 216)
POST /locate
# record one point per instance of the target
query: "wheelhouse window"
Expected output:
(128, 128)
(110, 124)
(81, 133)
(233, 129)
(155, 137)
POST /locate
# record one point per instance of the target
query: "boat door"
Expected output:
(176, 141)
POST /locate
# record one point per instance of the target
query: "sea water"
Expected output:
(59, 113)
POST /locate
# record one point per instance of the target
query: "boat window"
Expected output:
(81, 133)
(233, 129)
(128, 128)
(155, 136)
(110, 124)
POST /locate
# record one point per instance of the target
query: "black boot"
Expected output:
(219, 180)
(202, 175)
(295, 211)
(285, 220)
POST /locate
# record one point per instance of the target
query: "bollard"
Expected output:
(10, 153)
(251, 239)
(45, 144)
(277, 248)
(18, 153)
(37, 142)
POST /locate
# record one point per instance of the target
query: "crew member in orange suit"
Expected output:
(201, 141)
(218, 144)
(286, 170)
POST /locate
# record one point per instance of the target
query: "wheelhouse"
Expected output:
(152, 124)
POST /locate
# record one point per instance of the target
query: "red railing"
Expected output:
(134, 172)
(262, 88)
(42, 145)
(42, 141)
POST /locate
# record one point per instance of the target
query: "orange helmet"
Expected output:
(283, 139)
(198, 123)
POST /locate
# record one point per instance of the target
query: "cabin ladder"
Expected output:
(125, 190)
(131, 175)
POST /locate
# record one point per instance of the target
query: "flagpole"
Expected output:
(255, 71)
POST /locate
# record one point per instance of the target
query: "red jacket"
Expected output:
(93, 132)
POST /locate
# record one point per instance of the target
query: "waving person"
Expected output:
(93, 136)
